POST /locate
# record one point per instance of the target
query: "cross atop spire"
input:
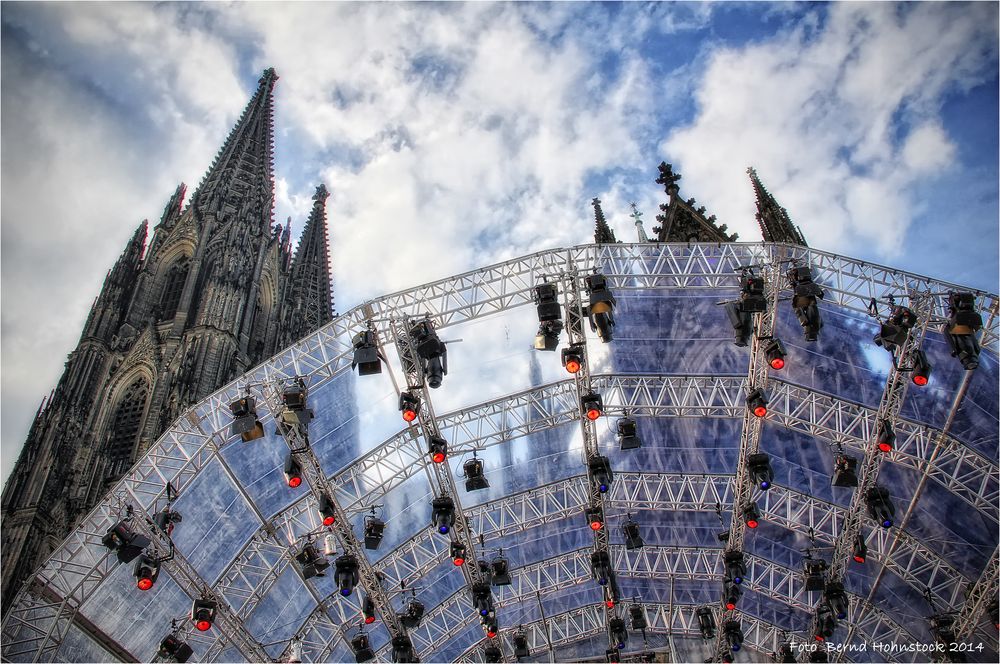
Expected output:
(773, 219)
(637, 217)
(681, 221)
(242, 174)
(602, 232)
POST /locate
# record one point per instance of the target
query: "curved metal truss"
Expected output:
(45, 610)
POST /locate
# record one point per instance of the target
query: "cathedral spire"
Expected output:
(310, 273)
(109, 307)
(602, 232)
(241, 176)
(637, 216)
(681, 221)
(773, 219)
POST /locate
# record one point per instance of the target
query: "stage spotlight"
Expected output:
(374, 529)
(628, 439)
(742, 323)
(785, 655)
(294, 399)
(826, 624)
(885, 437)
(612, 656)
(599, 469)
(804, 304)
(482, 599)
(943, 628)
(759, 467)
(600, 567)
(549, 316)
(774, 351)
(595, 517)
(734, 634)
(880, 506)
(845, 471)
(491, 626)
(921, 372)
(326, 510)
(751, 514)
(633, 538)
(638, 617)
(521, 645)
(474, 477)
(592, 405)
(330, 545)
(611, 592)
(245, 422)
(602, 304)
(402, 650)
(736, 568)
(366, 357)
(311, 562)
(814, 573)
(706, 622)
(572, 359)
(362, 649)
(960, 330)
(443, 514)
(836, 599)
(172, 649)
(892, 333)
(618, 633)
(346, 574)
(126, 543)
(819, 656)
(438, 449)
(368, 610)
(457, 554)
(859, 550)
(500, 571)
(492, 654)
(757, 402)
(145, 572)
(165, 520)
(752, 298)
(203, 614)
(433, 353)
(293, 472)
(414, 612)
(409, 406)
(731, 594)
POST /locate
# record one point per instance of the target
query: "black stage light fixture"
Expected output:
(165, 520)
(752, 298)
(413, 614)
(602, 304)
(731, 594)
(836, 599)
(892, 333)
(612, 656)
(742, 323)
(785, 654)
(826, 624)
(595, 517)
(819, 656)
(611, 592)
(482, 599)
(993, 608)
(550, 325)
(368, 610)
(751, 515)
(346, 574)
(804, 294)
(521, 645)
(572, 358)
(500, 568)
(706, 622)
(366, 357)
(736, 568)
(126, 543)
(637, 616)
(774, 351)
(880, 506)
(402, 650)
(600, 567)
(294, 399)
(438, 449)
(409, 406)
(293, 472)
(145, 571)
(845, 471)
(474, 477)
(492, 654)
(859, 550)
(814, 573)
(443, 514)
(172, 649)
(633, 538)
(592, 405)
(599, 469)
(245, 422)
(960, 329)
(433, 353)
(921, 372)
(628, 439)
(491, 626)
(759, 467)
(203, 614)
(618, 633)
(374, 529)
(757, 402)
(733, 632)
(362, 649)
(885, 437)
(311, 562)
(943, 628)
(458, 554)
(326, 510)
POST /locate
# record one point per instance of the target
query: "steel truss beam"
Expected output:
(982, 592)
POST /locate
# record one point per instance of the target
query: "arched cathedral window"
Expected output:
(125, 428)
(172, 288)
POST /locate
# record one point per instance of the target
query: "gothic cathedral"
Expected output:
(217, 291)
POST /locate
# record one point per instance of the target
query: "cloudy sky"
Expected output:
(456, 135)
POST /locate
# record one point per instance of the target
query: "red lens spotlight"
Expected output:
(328, 521)
(437, 457)
(203, 625)
(409, 415)
(760, 411)
(730, 606)
(572, 366)
(859, 559)
(458, 561)
(752, 523)
(593, 414)
(596, 525)
(778, 363)
(919, 380)
(610, 603)
(491, 634)
(144, 584)
(369, 620)
(294, 482)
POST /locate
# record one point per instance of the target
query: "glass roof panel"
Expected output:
(280, 613)
(78, 647)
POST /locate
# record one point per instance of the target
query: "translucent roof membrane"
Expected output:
(673, 365)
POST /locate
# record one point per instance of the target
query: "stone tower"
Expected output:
(216, 292)
(773, 219)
